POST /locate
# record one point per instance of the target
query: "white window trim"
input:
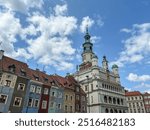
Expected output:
(31, 102)
(45, 103)
(38, 103)
(46, 91)
(32, 86)
(38, 90)
(20, 102)
(6, 98)
(23, 87)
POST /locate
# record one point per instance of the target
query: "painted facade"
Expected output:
(135, 102)
(31, 91)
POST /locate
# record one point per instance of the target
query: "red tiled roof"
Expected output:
(19, 66)
(134, 93)
(63, 81)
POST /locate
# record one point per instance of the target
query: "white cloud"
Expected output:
(60, 9)
(46, 37)
(52, 43)
(138, 78)
(95, 39)
(21, 5)
(142, 85)
(86, 21)
(137, 46)
(125, 30)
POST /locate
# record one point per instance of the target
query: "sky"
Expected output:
(48, 34)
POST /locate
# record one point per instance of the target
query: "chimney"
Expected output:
(1, 54)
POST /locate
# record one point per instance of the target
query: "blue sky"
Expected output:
(48, 34)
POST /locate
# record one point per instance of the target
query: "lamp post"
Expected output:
(88, 93)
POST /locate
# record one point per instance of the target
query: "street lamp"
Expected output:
(88, 93)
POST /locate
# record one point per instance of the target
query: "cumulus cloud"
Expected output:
(86, 21)
(137, 46)
(21, 5)
(46, 37)
(138, 78)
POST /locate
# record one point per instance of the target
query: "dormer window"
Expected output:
(46, 80)
(37, 78)
(23, 73)
(12, 68)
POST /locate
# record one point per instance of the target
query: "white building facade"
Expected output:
(102, 86)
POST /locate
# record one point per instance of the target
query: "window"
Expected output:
(103, 85)
(46, 80)
(44, 104)
(59, 94)
(105, 99)
(30, 102)
(66, 108)
(77, 97)
(118, 101)
(114, 100)
(46, 91)
(23, 73)
(77, 107)
(66, 98)
(71, 109)
(32, 88)
(52, 104)
(21, 86)
(83, 108)
(17, 101)
(86, 88)
(12, 68)
(110, 100)
(37, 78)
(71, 98)
(53, 94)
(38, 90)
(3, 98)
(59, 106)
(8, 82)
(36, 103)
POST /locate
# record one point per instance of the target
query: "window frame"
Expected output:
(5, 99)
(23, 87)
(19, 103)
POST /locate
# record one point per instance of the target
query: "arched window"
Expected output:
(111, 110)
(106, 110)
(105, 99)
(110, 100)
(114, 100)
(118, 101)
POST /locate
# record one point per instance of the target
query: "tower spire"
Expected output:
(87, 31)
